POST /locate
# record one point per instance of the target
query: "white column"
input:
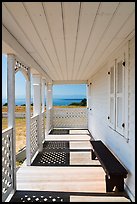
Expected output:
(43, 95)
(11, 107)
(37, 105)
(28, 119)
(89, 110)
(50, 96)
(36, 94)
(89, 95)
(43, 89)
(49, 105)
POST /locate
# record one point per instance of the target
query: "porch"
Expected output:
(92, 46)
(54, 177)
(80, 180)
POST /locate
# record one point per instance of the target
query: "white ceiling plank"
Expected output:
(87, 16)
(12, 27)
(19, 12)
(54, 17)
(42, 64)
(70, 26)
(21, 53)
(103, 20)
(119, 20)
(68, 40)
(127, 28)
(70, 82)
(122, 35)
(7, 49)
(104, 60)
(41, 25)
(18, 33)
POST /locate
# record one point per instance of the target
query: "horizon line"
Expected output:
(45, 99)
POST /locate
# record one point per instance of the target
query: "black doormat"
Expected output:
(54, 196)
(56, 145)
(55, 158)
(40, 196)
(55, 153)
(59, 132)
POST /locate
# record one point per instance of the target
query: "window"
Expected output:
(120, 123)
(117, 95)
(112, 97)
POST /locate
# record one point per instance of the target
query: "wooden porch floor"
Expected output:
(85, 184)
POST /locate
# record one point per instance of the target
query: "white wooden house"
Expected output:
(89, 43)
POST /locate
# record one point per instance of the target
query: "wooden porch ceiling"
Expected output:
(68, 40)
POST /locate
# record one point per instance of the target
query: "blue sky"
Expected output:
(67, 91)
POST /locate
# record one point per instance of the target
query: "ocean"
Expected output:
(56, 102)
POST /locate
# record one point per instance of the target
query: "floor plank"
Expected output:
(98, 199)
(78, 132)
(80, 145)
(82, 158)
(70, 179)
(67, 137)
(76, 179)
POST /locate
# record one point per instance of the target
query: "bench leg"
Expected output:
(93, 156)
(120, 185)
(112, 181)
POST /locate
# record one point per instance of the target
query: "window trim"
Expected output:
(112, 64)
(123, 54)
(122, 94)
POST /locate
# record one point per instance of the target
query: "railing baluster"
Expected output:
(70, 118)
(34, 136)
(43, 126)
(7, 163)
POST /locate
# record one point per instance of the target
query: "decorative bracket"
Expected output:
(23, 68)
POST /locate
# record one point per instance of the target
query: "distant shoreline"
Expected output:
(56, 101)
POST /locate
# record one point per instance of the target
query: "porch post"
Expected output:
(89, 96)
(11, 61)
(88, 103)
(28, 119)
(50, 91)
(37, 105)
(49, 105)
(43, 109)
(43, 95)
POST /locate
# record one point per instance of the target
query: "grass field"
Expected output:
(23, 108)
(17, 108)
(20, 124)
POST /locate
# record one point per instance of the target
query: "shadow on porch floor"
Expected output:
(76, 179)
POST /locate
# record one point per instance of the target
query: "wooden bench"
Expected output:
(115, 172)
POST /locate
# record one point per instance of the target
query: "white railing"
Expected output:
(7, 163)
(43, 126)
(34, 135)
(70, 118)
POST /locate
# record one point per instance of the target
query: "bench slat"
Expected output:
(109, 162)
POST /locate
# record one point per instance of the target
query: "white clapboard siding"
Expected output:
(131, 111)
(132, 90)
(122, 145)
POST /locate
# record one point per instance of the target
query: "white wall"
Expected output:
(98, 122)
